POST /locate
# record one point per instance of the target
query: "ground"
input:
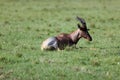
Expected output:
(24, 24)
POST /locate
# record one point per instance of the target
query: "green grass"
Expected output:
(24, 24)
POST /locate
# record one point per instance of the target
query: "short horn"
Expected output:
(82, 21)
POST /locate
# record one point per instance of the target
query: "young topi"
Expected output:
(62, 40)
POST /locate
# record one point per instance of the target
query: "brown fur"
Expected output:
(65, 39)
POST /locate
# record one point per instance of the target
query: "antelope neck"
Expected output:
(75, 36)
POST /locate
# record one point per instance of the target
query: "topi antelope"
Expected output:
(62, 40)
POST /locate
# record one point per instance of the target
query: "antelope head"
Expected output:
(83, 29)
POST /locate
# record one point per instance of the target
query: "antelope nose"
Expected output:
(90, 39)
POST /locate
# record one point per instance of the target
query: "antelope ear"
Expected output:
(81, 28)
(78, 26)
(88, 29)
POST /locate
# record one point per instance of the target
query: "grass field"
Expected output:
(24, 24)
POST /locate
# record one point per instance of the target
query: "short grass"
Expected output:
(24, 24)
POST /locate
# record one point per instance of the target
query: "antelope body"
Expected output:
(62, 40)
